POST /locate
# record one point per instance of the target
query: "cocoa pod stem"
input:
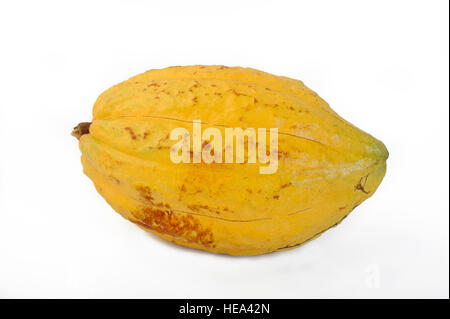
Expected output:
(81, 129)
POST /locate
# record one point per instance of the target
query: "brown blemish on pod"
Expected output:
(285, 185)
(197, 208)
(167, 222)
(237, 93)
(146, 193)
(196, 85)
(130, 130)
(114, 179)
(361, 184)
(282, 154)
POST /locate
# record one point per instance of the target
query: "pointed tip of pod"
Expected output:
(377, 150)
(81, 129)
(380, 150)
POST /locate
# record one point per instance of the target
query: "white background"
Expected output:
(382, 65)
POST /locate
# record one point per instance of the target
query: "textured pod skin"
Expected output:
(326, 166)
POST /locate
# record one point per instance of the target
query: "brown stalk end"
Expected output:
(81, 129)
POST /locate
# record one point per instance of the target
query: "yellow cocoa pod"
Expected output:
(325, 166)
